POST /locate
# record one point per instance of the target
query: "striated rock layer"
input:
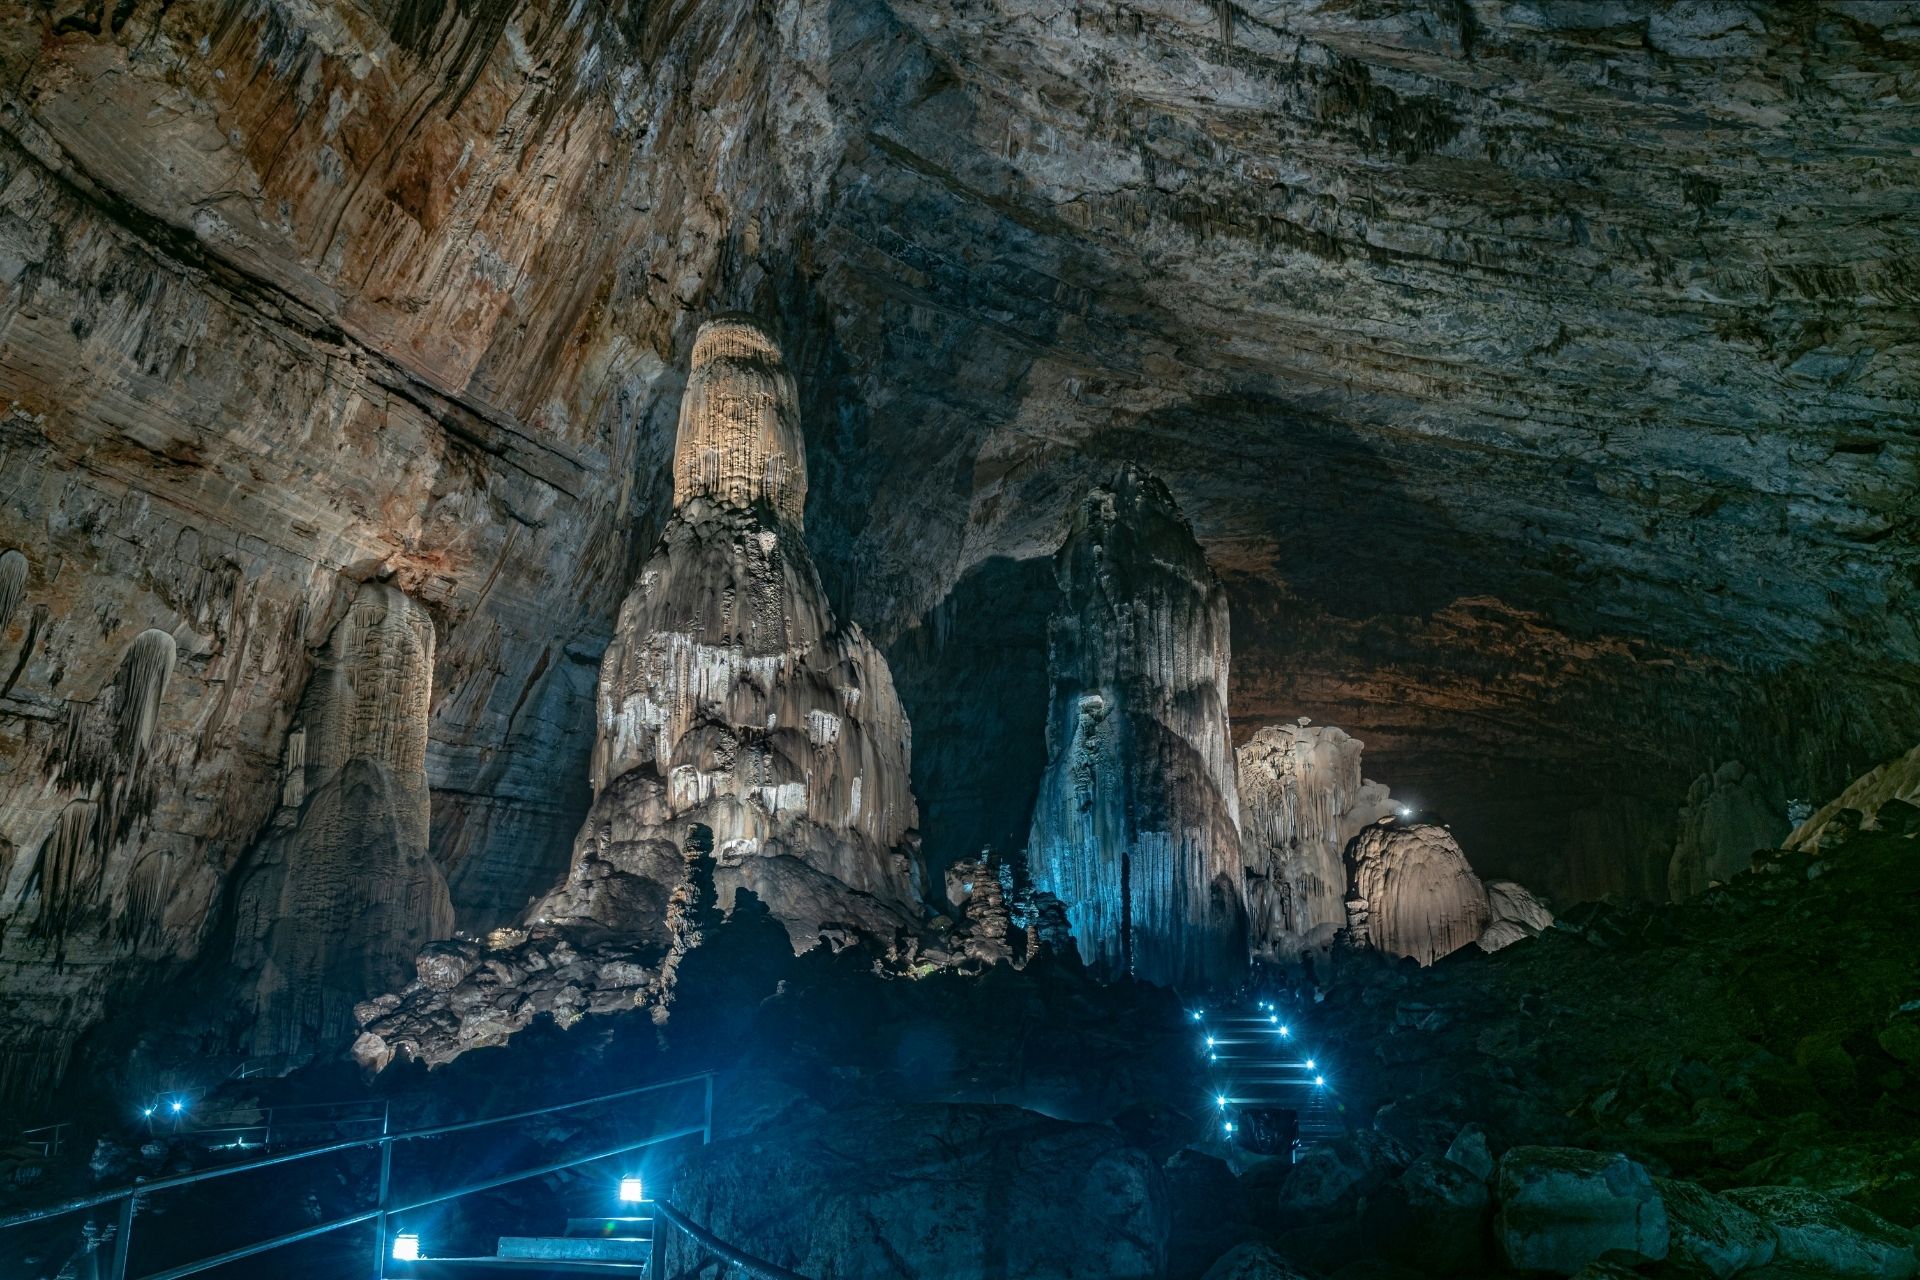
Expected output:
(342, 892)
(1301, 800)
(1410, 892)
(730, 701)
(1136, 828)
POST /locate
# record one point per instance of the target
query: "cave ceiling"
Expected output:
(1540, 378)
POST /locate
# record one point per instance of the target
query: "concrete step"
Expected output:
(636, 1227)
(575, 1248)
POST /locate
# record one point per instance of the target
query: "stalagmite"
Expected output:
(744, 743)
(1410, 892)
(1730, 813)
(729, 698)
(13, 584)
(342, 892)
(1136, 826)
(1302, 798)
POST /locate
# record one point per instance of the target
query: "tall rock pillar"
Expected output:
(729, 699)
(342, 892)
(1302, 798)
(1137, 824)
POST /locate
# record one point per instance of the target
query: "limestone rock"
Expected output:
(732, 704)
(1730, 813)
(1828, 1234)
(1562, 1208)
(1136, 826)
(1302, 798)
(1711, 1233)
(930, 1191)
(1894, 780)
(1516, 914)
(342, 892)
(1410, 892)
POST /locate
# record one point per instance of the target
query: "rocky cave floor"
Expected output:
(1766, 1033)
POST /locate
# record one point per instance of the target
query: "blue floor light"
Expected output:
(406, 1247)
(632, 1191)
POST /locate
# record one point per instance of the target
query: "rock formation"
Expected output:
(342, 891)
(730, 700)
(1137, 824)
(1514, 913)
(1411, 892)
(13, 584)
(1897, 779)
(1730, 813)
(1302, 798)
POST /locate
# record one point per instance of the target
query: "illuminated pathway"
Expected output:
(1258, 1069)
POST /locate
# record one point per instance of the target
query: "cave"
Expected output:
(1268, 640)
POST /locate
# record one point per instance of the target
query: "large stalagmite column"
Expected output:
(730, 699)
(1136, 826)
(1302, 798)
(343, 892)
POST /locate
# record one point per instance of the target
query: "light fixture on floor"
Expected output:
(406, 1247)
(631, 1191)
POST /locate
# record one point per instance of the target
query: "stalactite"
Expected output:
(141, 683)
(13, 584)
(148, 886)
(67, 872)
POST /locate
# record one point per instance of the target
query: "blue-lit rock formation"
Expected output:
(1137, 824)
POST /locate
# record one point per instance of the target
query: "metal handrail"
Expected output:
(129, 1196)
(759, 1268)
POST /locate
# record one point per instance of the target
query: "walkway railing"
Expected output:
(128, 1198)
(758, 1268)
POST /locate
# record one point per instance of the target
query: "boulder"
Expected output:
(1830, 1235)
(1434, 1216)
(1711, 1233)
(1517, 914)
(1254, 1262)
(933, 1191)
(1562, 1208)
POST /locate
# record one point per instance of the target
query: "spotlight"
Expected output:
(1405, 812)
(1209, 1042)
(1220, 1100)
(631, 1191)
(1196, 1015)
(1229, 1129)
(1318, 1081)
(1213, 1057)
(1309, 1064)
(146, 1111)
(406, 1247)
(1284, 1031)
(1273, 1017)
(176, 1106)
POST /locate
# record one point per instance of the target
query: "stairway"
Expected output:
(1271, 1094)
(591, 1246)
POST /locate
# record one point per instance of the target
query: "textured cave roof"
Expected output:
(1539, 378)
